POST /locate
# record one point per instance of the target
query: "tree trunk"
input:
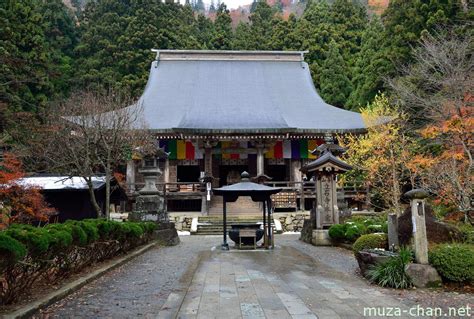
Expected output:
(108, 176)
(92, 196)
(395, 187)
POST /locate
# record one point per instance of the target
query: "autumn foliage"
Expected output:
(19, 204)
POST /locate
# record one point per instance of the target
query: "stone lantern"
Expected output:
(150, 203)
(325, 170)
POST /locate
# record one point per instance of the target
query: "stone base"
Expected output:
(307, 231)
(367, 259)
(423, 276)
(143, 216)
(321, 238)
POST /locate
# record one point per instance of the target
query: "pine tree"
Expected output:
(223, 37)
(406, 21)
(212, 7)
(335, 85)
(370, 66)
(253, 6)
(36, 41)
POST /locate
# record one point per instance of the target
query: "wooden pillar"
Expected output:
(166, 171)
(260, 159)
(208, 160)
(130, 175)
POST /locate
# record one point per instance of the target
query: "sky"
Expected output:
(231, 4)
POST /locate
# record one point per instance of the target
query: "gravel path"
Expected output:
(137, 289)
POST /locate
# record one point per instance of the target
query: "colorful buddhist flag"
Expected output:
(303, 149)
(295, 149)
(286, 149)
(172, 149)
(312, 144)
(181, 149)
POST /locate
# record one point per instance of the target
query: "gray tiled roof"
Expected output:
(232, 92)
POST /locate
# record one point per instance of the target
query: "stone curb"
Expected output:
(33, 307)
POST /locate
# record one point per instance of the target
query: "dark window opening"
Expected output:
(188, 174)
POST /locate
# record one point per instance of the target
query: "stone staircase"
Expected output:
(214, 225)
(244, 207)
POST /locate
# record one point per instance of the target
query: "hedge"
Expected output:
(31, 254)
(454, 262)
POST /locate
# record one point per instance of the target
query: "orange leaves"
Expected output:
(18, 203)
(10, 168)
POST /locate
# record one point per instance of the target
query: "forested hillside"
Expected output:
(47, 49)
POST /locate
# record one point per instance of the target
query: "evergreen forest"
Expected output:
(48, 50)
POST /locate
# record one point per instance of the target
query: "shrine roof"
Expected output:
(238, 92)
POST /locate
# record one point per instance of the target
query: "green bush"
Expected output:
(454, 262)
(36, 240)
(60, 234)
(354, 231)
(370, 241)
(392, 272)
(337, 232)
(467, 233)
(91, 229)
(10, 248)
(79, 236)
(51, 250)
(135, 230)
(374, 228)
(105, 228)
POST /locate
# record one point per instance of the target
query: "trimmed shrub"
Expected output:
(28, 253)
(61, 235)
(337, 232)
(392, 273)
(454, 262)
(374, 228)
(354, 231)
(79, 236)
(370, 241)
(35, 239)
(10, 248)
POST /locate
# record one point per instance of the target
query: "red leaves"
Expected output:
(18, 203)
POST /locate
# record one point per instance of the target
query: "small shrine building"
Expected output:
(219, 113)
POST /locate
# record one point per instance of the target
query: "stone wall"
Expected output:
(182, 223)
(292, 222)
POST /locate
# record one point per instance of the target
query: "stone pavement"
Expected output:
(283, 283)
(193, 279)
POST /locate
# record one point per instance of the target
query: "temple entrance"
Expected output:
(277, 172)
(188, 173)
(230, 174)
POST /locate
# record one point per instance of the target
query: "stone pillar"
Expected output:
(327, 212)
(417, 203)
(419, 230)
(393, 231)
(130, 176)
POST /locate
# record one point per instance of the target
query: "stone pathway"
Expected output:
(197, 280)
(283, 283)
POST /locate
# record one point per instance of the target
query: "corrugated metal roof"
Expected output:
(237, 95)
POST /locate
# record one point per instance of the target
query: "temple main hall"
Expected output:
(220, 113)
